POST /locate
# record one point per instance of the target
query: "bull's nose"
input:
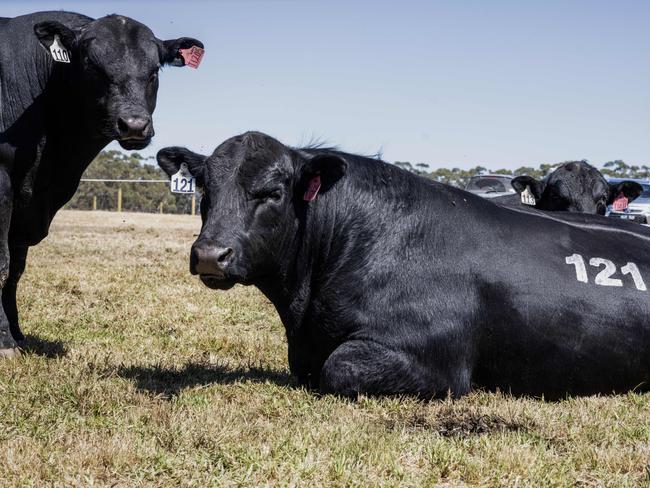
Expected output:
(134, 127)
(210, 260)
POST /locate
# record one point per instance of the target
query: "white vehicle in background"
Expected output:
(490, 186)
(639, 209)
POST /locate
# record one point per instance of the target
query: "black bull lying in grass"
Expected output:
(388, 283)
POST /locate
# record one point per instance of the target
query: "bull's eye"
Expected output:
(268, 196)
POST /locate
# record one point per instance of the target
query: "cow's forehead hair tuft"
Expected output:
(118, 37)
(251, 154)
(251, 146)
(118, 28)
(575, 176)
(575, 167)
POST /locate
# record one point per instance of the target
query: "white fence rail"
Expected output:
(119, 191)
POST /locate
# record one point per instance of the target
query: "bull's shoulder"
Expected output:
(71, 19)
(25, 66)
(18, 43)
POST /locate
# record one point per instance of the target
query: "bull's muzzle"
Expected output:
(134, 126)
(134, 130)
(210, 260)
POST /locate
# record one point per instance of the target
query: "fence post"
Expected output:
(161, 207)
(119, 199)
(193, 203)
(94, 202)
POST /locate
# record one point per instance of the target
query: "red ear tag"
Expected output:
(312, 189)
(192, 56)
(620, 203)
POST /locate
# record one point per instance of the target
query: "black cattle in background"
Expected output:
(69, 85)
(574, 186)
(389, 283)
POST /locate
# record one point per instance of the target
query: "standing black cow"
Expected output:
(390, 283)
(69, 85)
(574, 186)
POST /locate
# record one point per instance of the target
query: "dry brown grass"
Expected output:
(138, 375)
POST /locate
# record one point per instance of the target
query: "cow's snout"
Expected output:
(136, 127)
(211, 260)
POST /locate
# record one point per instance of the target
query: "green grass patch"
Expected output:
(137, 375)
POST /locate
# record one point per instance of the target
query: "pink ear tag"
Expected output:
(312, 189)
(192, 56)
(620, 203)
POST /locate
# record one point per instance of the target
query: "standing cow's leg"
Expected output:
(18, 257)
(7, 343)
(363, 367)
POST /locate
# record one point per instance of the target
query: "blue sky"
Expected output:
(499, 83)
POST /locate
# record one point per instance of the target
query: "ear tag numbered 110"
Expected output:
(59, 53)
(527, 197)
(182, 181)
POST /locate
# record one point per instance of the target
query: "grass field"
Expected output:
(136, 374)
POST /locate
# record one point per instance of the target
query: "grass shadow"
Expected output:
(460, 422)
(169, 382)
(43, 347)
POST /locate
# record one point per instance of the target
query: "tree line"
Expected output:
(459, 177)
(136, 197)
(140, 197)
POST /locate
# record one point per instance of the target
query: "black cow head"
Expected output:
(575, 186)
(254, 189)
(115, 61)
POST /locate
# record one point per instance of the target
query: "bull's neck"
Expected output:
(66, 119)
(316, 258)
(42, 114)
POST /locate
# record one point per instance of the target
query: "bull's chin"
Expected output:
(217, 282)
(134, 144)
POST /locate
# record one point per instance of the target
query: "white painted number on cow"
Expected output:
(604, 277)
(581, 271)
(58, 52)
(182, 181)
(631, 268)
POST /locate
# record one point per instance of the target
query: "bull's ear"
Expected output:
(631, 190)
(170, 160)
(45, 32)
(319, 174)
(536, 186)
(171, 50)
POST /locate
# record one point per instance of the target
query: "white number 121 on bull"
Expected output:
(182, 181)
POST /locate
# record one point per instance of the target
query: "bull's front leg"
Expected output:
(366, 367)
(300, 364)
(17, 260)
(8, 346)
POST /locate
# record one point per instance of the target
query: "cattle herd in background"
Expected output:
(386, 282)
(574, 186)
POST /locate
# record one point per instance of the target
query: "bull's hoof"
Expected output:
(17, 335)
(9, 352)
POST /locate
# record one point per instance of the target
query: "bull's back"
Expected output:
(508, 200)
(565, 307)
